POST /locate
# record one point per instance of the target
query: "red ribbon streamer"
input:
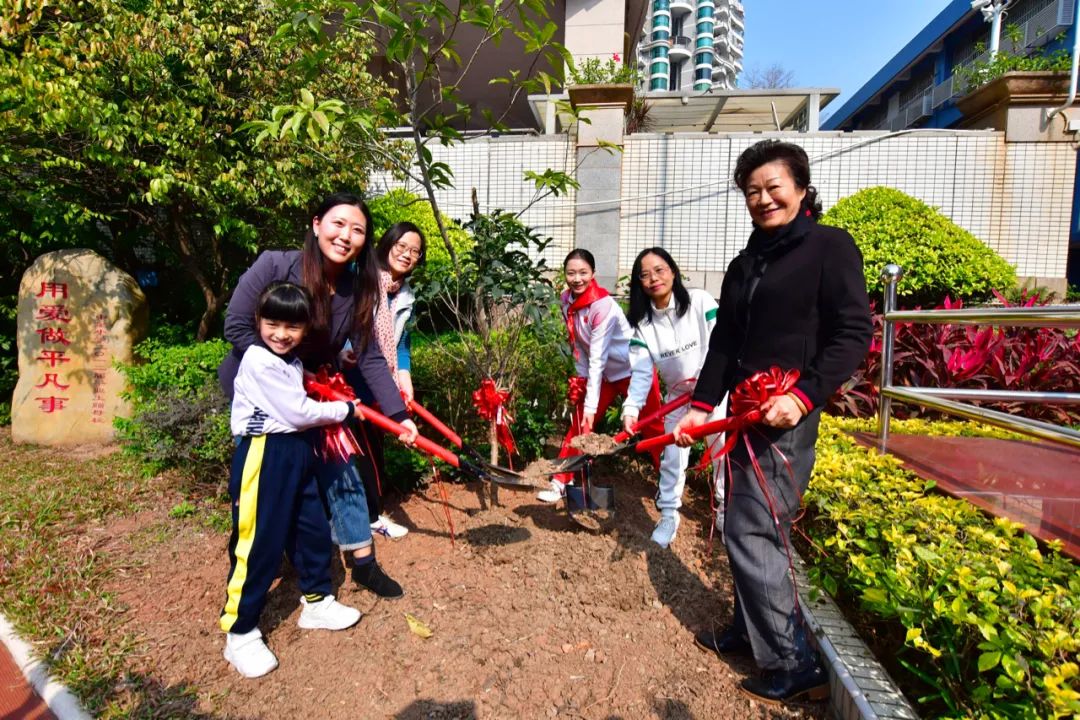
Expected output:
(490, 402)
(338, 441)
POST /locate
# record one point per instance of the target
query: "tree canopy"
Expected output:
(123, 128)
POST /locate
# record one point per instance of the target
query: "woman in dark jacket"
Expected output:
(795, 297)
(337, 266)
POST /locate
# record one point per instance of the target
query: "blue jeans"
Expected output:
(343, 490)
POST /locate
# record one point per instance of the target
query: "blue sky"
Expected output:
(832, 43)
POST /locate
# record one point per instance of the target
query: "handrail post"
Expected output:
(891, 274)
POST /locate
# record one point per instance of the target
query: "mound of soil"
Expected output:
(532, 617)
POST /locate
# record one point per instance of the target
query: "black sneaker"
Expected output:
(371, 576)
(780, 686)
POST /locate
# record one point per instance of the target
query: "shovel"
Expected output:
(506, 475)
(486, 472)
(576, 462)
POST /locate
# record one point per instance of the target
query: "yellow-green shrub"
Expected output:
(939, 257)
(986, 622)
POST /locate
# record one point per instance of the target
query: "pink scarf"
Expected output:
(384, 320)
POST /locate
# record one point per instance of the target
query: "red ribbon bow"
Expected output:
(576, 388)
(338, 441)
(490, 402)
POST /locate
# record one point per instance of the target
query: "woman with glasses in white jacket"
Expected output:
(671, 328)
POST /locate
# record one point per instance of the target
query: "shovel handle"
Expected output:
(439, 425)
(661, 412)
(700, 431)
(422, 443)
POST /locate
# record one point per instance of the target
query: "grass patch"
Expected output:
(54, 570)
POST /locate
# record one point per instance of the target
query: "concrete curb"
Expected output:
(60, 701)
(860, 689)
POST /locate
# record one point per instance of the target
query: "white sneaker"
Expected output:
(327, 614)
(388, 528)
(665, 529)
(248, 654)
(554, 494)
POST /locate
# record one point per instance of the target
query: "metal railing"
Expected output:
(946, 399)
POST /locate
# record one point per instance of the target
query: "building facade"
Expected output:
(691, 45)
(921, 86)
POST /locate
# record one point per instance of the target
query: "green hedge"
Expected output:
(180, 416)
(986, 623)
(939, 257)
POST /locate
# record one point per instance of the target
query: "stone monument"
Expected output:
(78, 316)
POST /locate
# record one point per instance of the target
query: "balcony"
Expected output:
(678, 8)
(681, 47)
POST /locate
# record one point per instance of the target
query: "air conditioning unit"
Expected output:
(942, 92)
(1049, 22)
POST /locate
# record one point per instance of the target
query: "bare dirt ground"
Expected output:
(532, 617)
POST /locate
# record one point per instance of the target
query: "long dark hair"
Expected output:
(365, 276)
(390, 238)
(793, 156)
(640, 303)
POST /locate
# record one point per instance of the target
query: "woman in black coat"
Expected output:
(795, 297)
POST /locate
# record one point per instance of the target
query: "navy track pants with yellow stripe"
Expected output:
(275, 508)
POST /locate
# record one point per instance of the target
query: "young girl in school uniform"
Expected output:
(600, 341)
(671, 336)
(275, 500)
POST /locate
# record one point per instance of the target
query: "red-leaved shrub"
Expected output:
(970, 357)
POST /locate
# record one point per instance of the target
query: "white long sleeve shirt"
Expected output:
(675, 346)
(602, 337)
(270, 397)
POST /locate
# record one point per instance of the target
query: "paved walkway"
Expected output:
(17, 700)
(1029, 482)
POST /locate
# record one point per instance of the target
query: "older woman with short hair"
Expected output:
(795, 297)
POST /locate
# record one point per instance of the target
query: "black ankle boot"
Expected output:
(725, 642)
(369, 575)
(777, 686)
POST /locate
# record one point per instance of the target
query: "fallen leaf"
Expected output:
(417, 627)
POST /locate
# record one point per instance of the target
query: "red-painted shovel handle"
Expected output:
(700, 431)
(440, 427)
(661, 412)
(422, 443)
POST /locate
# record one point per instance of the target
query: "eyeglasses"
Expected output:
(660, 272)
(402, 248)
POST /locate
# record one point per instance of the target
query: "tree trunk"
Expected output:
(493, 438)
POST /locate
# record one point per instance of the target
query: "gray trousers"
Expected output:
(765, 609)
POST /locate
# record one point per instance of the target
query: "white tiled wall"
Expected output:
(677, 189)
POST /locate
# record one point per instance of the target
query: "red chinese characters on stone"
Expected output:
(51, 404)
(99, 363)
(49, 334)
(52, 379)
(52, 335)
(53, 289)
(52, 357)
(53, 313)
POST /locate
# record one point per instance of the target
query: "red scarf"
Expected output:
(591, 294)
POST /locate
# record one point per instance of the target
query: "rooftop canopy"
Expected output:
(717, 111)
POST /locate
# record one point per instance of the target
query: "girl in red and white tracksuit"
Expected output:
(599, 339)
(671, 328)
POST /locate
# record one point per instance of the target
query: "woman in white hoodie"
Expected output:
(671, 328)
(599, 340)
